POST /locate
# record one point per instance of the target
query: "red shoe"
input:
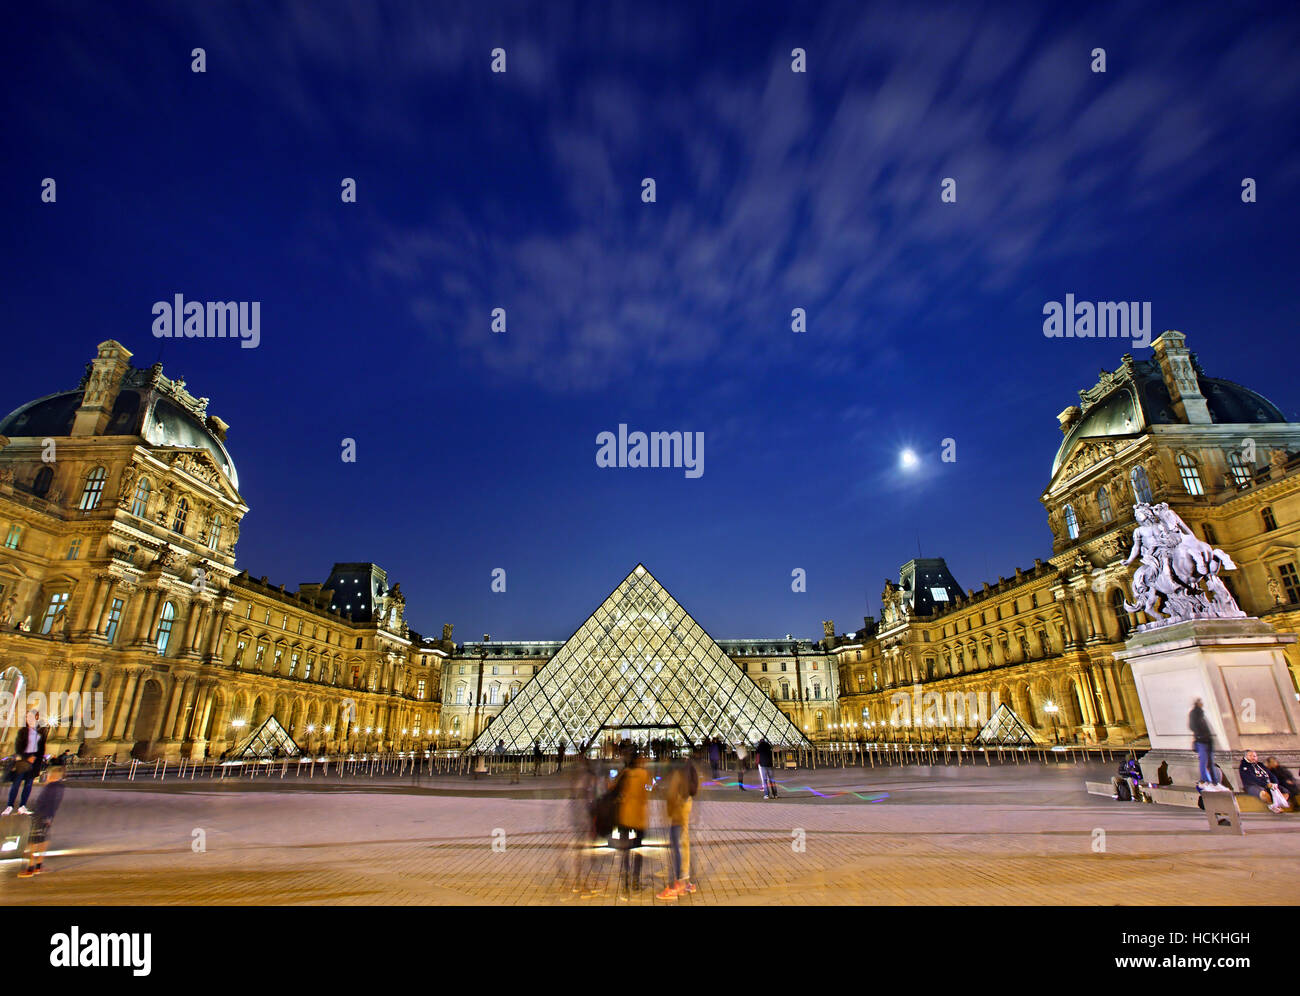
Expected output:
(671, 892)
(686, 887)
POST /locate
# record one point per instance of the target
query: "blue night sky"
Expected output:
(521, 190)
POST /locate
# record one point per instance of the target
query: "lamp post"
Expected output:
(1051, 708)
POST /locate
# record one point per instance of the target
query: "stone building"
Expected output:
(1041, 641)
(122, 610)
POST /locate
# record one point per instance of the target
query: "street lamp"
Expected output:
(1051, 708)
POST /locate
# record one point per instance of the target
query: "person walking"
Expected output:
(29, 756)
(559, 755)
(763, 755)
(715, 755)
(46, 805)
(680, 788)
(742, 753)
(537, 758)
(1203, 744)
(633, 818)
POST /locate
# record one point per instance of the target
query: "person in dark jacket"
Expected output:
(29, 755)
(715, 756)
(47, 804)
(763, 756)
(1258, 780)
(1284, 778)
(1203, 744)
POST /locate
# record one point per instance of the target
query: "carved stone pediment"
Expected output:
(200, 465)
(1086, 454)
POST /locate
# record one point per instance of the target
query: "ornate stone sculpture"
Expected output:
(446, 632)
(1178, 578)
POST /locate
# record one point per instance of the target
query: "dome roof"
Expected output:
(1138, 397)
(165, 424)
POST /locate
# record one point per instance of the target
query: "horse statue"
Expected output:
(1178, 577)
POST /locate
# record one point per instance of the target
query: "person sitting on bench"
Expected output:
(1258, 780)
(1285, 779)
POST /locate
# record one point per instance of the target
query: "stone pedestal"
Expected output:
(1238, 668)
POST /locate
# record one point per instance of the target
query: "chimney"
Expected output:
(1180, 378)
(103, 380)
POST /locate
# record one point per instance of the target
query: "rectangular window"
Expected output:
(293, 664)
(74, 548)
(114, 617)
(1290, 582)
(249, 613)
(285, 622)
(278, 654)
(306, 673)
(460, 694)
(259, 656)
(300, 627)
(358, 643)
(1270, 523)
(419, 689)
(415, 726)
(57, 604)
(267, 620)
(14, 535)
(239, 653)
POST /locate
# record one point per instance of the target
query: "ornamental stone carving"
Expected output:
(1178, 577)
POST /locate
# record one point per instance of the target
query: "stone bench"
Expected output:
(1101, 788)
(1174, 795)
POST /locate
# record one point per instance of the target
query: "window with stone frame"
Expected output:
(182, 515)
(1071, 522)
(1141, 485)
(1270, 522)
(1286, 573)
(1190, 474)
(1241, 474)
(140, 503)
(93, 491)
(1103, 504)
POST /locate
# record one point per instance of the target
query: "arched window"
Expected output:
(1121, 614)
(41, 486)
(141, 500)
(1240, 472)
(165, 627)
(1103, 504)
(94, 488)
(214, 532)
(1071, 522)
(182, 514)
(1141, 486)
(1190, 475)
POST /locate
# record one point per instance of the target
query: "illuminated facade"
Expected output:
(121, 603)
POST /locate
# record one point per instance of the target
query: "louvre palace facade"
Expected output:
(124, 611)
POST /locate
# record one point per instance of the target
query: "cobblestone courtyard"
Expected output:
(912, 836)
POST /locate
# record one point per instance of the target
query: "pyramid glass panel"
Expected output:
(1005, 729)
(639, 667)
(268, 740)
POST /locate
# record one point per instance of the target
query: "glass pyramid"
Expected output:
(639, 667)
(263, 742)
(1004, 728)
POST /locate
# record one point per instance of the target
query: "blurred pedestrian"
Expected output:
(47, 804)
(715, 755)
(680, 789)
(742, 755)
(763, 755)
(29, 756)
(633, 818)
(1203, 744)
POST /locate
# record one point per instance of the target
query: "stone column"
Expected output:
(106, 609)
(127, 704)
(88, 610)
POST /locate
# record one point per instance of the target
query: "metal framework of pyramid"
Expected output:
(264, 741)
(639, 665)
(1004, 729)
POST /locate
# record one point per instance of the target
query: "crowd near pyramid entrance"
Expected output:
(639, 668)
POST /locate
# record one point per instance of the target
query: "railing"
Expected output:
(518, 766)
